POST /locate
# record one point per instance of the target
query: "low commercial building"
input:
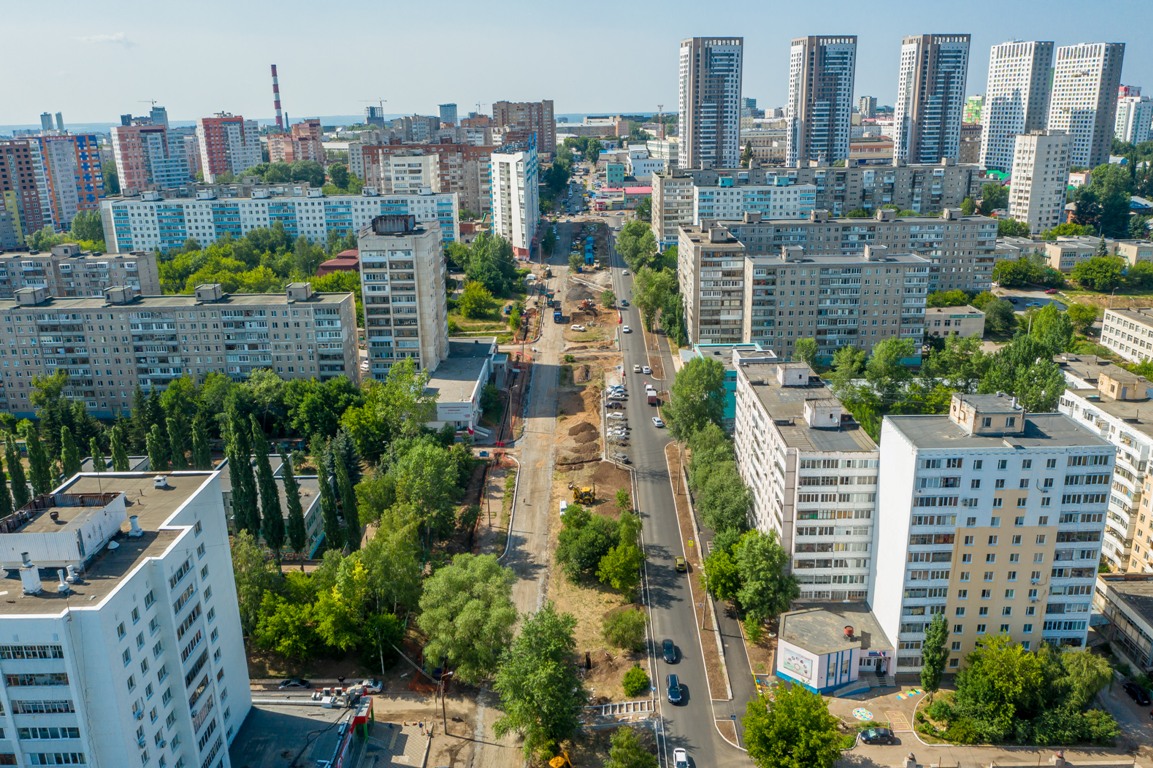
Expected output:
(954, 321)
(728, 356)
(812, 472)
(1127, 602)
(1129, 333)
(826, 649)
(1133, 251)
(1064, 253)
(459, 381)
(113, 345)
(309, 487)
(68, 271)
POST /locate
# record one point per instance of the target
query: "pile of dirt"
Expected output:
(585, 437)
(580, 374)
(581, 454)
(582, 428)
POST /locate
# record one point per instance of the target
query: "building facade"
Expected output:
(1016, 101)
(729, 201)
(112, 345)
(1134, 122)
(930, 98)
(954, 321)
(1064, 253)
(1129, 333)
(516, 196)
(228, 144)
(24, 187)
(709, 102)
(812, 472)
(121, 639)
(402, 278)
(147, 159)
(67, 271)
(461, 168)
(820, 107)
(152, 222)
(72, 174)
(992, 517)
(304, 141)
(522, 119)
(1040, 178)
(1086, 77)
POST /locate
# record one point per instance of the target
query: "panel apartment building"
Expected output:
(152, 222)
(993, 517)
(112, 345)
(120, 637)
(813, 475)
(1086, 78)
(1129, 333)
(228, 144)
(516, 195)
(461, 168)
(920, 188)
(738, 291)
(67, 271)
(149, 157)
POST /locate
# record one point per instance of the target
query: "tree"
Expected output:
(297, 533)
(1066, 229)
(87, 226)
(395, 567)
(348, 508)
(5, 497)
(626, 750)
(39, 465)
(636, 681)
(111, 178)
(398, 407)
(475, 301)
(539, 688)
(467, 613)
(954, 298)
(286, 627)
(722, 577)
(792, 730)
(968, 206)
(575, 262)
(492, 264)
(1083, 316)
(70, 461)
(723, 499)
(620, 568)
(338, 173)
(330, 514)
(1012, 228)
(1000, 319)
(1052, 327)
(271, 516)
(637, 245)
(1025, 369)
(201, 453)
(20, 495)
(1100, 273)
(697, 397)
(178, 438)
(424, 478)
(254, 577)
(625, 629)
(934, 653)
(644, 208)
(805, 350)
(98, 462)
(120, 460)
(767, 588)
(584, 540)
(654, 293)
(608, 298)
(994, 195)
(238, 449)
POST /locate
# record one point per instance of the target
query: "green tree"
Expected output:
(201, 453)
(1100, 273)
(254, 577)
(467, 613)
(296, 531)
(625, 629)
(70, 461)
(271, 516)
(636, 681)
(238, 449)
(584, 540)
(644, 209)
(395, 567)
(767, 588)
(575, 263)
(792, 730)
(398, 407)
(5, 497)
(723, 499)
(608, 298)
(286, 627)
(39, 465)
(20, 494)
(954, 298)
(98, 462)
(887, 371)
(1000, 319)
(329, 512)
(1024, 368)
(348, 508)
(654, 293)
(637, 245)
(1012, 228)
(934, 653)
(476, 301)
(539, 688)
(424, 478)
(111, 178)
(178, 439)
(805, 350)
(87, 226)
(338, 173)
(722, 576)
(1083, 316)
(492, 264)
(994, 195)
(120, 460)
(697, 397)
(1066, 229)
(1052, 327)
(620, 568)
(627, 751)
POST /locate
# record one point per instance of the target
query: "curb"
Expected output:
(512, 511)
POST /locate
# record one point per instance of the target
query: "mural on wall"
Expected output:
(797, 664)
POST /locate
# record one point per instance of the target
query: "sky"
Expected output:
(93, 62)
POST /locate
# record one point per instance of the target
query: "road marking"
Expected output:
(897, 720)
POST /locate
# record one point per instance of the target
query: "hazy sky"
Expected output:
(93, 61)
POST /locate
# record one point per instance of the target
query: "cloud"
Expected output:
(110, 38)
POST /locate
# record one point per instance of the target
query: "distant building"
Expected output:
(1134, 119)
(345, 261)
(1016, 101)
(1065, 253)
(1040, 179)
(304, 141)
(930, 98)
(709, 102)
(1129, 333)
(821, 75)
(867, 106)
(974, 105)
(147, 158)
(1083, 103)
(516, 195)
(68, 272)
(461, 168)
(448, 114)
(229, 144)
(522, 119)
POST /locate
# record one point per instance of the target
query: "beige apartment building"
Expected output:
(67, 271)
(1065, 253)
(954, 321)
(993, 517)
(111, 345)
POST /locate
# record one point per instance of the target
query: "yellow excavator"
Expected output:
(560, 761)
(583, 496)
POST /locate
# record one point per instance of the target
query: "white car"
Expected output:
(646, 370)
(680, 758)
(617, 416)
(580, 328)
(658, 422)
(626, 329)
(624, 271)
(636, 368)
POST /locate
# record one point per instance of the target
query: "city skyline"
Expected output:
(316, 82)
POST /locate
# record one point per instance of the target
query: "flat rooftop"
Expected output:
(98, 304)
(1139, 315)
(820, 629)
(309, 484)
(1135, 590)
(455, 379)
(1042, 430)
(786, 407)
(965, 311)
(1088, 368)
(723, 353)
(104, 572)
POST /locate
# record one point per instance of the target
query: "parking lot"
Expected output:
(276, 736)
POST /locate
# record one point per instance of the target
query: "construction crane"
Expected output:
(661, 121)
(147, 101)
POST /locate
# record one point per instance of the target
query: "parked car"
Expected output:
(579, 328)
(680, 758)
(669, 651)
(617, 416)
(294, 682)
(1137, 693)
(681, 565)
(636, 369)
(1051, 291)
(615, 404)
(877, 736)
(676, 694)
(372, 686)
(624, 272)
(646, 370)
(626, 329)
(623, 458)
(658, 422)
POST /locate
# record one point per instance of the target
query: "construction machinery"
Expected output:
(583, 495)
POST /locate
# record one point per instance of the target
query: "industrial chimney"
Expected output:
(30, 576)
(276, 100)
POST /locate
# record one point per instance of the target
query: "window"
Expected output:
(999, 483)
(988, 575)
(978, 463)
(1040, 538)
(956, 645)
(994, 522)
(954, 663)
(149, 599)
(968, 541)
(962, 594)
(1027, 464)
(960, 611)
(127, 657)
(990, 558)
(1012, 576)
(1002, 464)
(958, 629)
(1027, 629)
(120, 631)
(1050, 464)
(980, 629)
(993, 540)
(135, 615)
(1007, 610)
(986, 594)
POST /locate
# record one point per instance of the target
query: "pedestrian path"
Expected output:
(397, 744)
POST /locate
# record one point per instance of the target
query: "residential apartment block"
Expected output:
(728, 201)
(822, 70)
(993, 517)
(147, 157)
(1108, 400)
(228, 144)
(1086, 77)
(45, 180)
(1134, 122)
(1040, 177)
(153, 222)
(1016, 99)
(516, 195)
(303, 141)
(1064, 253)
(744, 290)
(920, 188)
(112, 345)
(522, 119)
(121, 640)
(1129, 333)
(67, 271)
(709, 102)
(930, 98)
(461, 168)
(402, 276)
(24, 187)
(813, 475)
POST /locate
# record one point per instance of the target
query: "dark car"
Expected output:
(675, 692)
(1137, 693)
(878, 736)
(624, 302)
(294, 682)
(669, 651)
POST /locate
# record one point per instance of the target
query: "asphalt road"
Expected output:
(690, 724)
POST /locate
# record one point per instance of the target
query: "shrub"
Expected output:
(636, 681)
(626, 629)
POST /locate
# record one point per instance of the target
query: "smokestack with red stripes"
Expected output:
(276, 100)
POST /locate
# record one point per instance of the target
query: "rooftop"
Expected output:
(279, 299)
(1139, 315)
(108, 567)
(786, 407)
(309, 484)
(723, 353)
(1042, 430)
(1135, 590)
(455, 379)
(967, 311)
(820, 629)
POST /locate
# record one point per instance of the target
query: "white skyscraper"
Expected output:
(1040, 175)
(1086, 77)
(516, 195)
(930, 98)
(1134, 119)
(709, 102)
(820, 107)
(1016, 99)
